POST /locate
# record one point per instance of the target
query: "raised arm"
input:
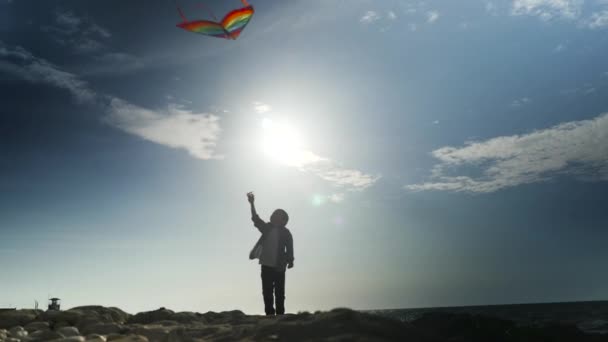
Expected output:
(257, 221)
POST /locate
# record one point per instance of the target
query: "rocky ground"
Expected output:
(97, 323)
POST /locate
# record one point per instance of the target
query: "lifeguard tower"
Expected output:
(54, 304)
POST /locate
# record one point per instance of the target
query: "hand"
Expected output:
(250, 197)
(290, 265)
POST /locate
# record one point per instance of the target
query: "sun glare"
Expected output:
(282, 143)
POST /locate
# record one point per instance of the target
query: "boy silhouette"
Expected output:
(274, 249)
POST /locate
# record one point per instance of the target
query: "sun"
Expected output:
(282, 143)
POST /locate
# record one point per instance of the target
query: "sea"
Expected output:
(590, 317)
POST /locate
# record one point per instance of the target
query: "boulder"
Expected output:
(69, 331)
(149, 317)
(83, 316)
(58, 319)
(44, 335)
(37, 326)
(102, 314)
(104, 329)
(11, 318)
(71, 339)
(163, 314)
(131, 338)
(17, 332)
(153, 332)
(234, 316)
(112, 337)
(95, 338)
(338, 324)
(167, 323)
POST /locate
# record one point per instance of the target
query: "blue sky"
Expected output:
(429, 153)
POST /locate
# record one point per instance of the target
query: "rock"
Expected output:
(153, 333)
(233, 316)
(165, 315)
(104, 329)
(12, 339)
(37, 326)
(17, 332)
(100, 314)
(83, 316)
(95, 338)
(11, 318)
(148, 317)
(70, 339)
(202, 332)
(131, 338)
(338, 324)
(69, 331)
(44, 335)
(112, 337)
(113, 313)
(167, 323)
(59, 319)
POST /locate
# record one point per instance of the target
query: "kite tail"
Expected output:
(179, 10)
(245, 2)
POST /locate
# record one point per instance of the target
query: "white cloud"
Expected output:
(175, 127)
(346, 178)
(491, 8)
(391, 15)
(80, 34)
(432, 16)
(598, 20)
(112, 63)
(548, 9)
(370, 17)
(520, 102)
(68, 21)
(559, 48)
(578, 148)
(261, 107)
(21, 63)
(336, 198)
(99, 30)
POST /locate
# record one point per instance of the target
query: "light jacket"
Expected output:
(285, 245)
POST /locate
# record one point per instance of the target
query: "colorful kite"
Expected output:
(229, 28)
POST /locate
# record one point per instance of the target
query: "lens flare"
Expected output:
(318, 200)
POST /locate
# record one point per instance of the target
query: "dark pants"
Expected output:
(273, 280)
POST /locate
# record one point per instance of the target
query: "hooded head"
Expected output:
(279, 218)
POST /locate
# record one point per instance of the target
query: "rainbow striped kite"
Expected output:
(229, 28)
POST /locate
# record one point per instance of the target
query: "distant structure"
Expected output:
(6, 308)
(54, 304)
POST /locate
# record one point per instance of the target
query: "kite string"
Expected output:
(179, 10)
